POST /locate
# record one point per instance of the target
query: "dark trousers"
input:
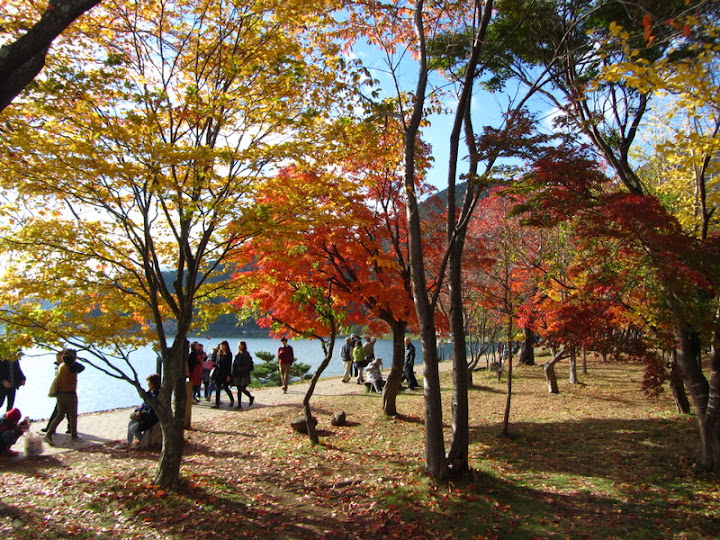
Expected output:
(223, 386)
(243, 390)
(409, 376)
(8, 393)
(67, 404)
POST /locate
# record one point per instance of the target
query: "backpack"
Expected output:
(243, 364)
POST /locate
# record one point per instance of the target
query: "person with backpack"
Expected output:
(242, 367)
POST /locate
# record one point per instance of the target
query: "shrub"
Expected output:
(267, 374)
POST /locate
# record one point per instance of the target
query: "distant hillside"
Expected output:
(441, 196)
(225, 325)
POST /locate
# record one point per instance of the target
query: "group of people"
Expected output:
(356, 356)
(359, 357)
(216, 372)
(219, 371)
(63, 389)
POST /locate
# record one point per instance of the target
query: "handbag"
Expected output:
(53, 391)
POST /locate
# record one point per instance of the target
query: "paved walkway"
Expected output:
(111, 426)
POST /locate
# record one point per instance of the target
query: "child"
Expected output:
(10, 430)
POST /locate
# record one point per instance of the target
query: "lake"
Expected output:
(100, 392)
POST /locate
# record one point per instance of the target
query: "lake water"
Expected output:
(100, 392)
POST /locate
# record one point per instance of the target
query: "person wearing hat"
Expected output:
(10, 430)
(286, 357)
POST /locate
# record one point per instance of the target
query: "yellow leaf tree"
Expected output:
(134, 158)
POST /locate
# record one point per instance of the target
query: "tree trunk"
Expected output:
(584, 361)
(22, 59)
(527, 354)
(550, 376)
(168, 473)
(508, 399)
(677, 387)
(171, 413)
(435, 461)
(392, 386)
(460, 444)
(573, 368)
(307, 411)
(705, 397)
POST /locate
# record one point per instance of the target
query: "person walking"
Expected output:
(286, 357)
(242, 367)
(207, 374)
(11, 379)
(409, 365)
(223, 373)
(196, 358)
(359, 361)
(67, 401)
(346, 356)
(369, 347)
(58, 362)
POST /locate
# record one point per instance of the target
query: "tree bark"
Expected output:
(307, 411)
(171, 413)
(392, 385)
(435, 461)
(527, 354)
(549, 369)
(460, 443)
(573, 368)
(677, 387)
(22, 60)
(508, 400)
(456, 230)
(704, 395)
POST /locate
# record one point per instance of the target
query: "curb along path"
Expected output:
(111, 426)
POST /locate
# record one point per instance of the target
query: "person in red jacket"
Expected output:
(286, 357)
(10, 430)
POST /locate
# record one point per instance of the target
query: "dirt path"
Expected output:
(111, 426)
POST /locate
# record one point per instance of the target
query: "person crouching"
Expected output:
(10, 430)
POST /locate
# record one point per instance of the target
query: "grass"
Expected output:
(598, 460)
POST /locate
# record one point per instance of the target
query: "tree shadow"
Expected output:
(619, 450)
